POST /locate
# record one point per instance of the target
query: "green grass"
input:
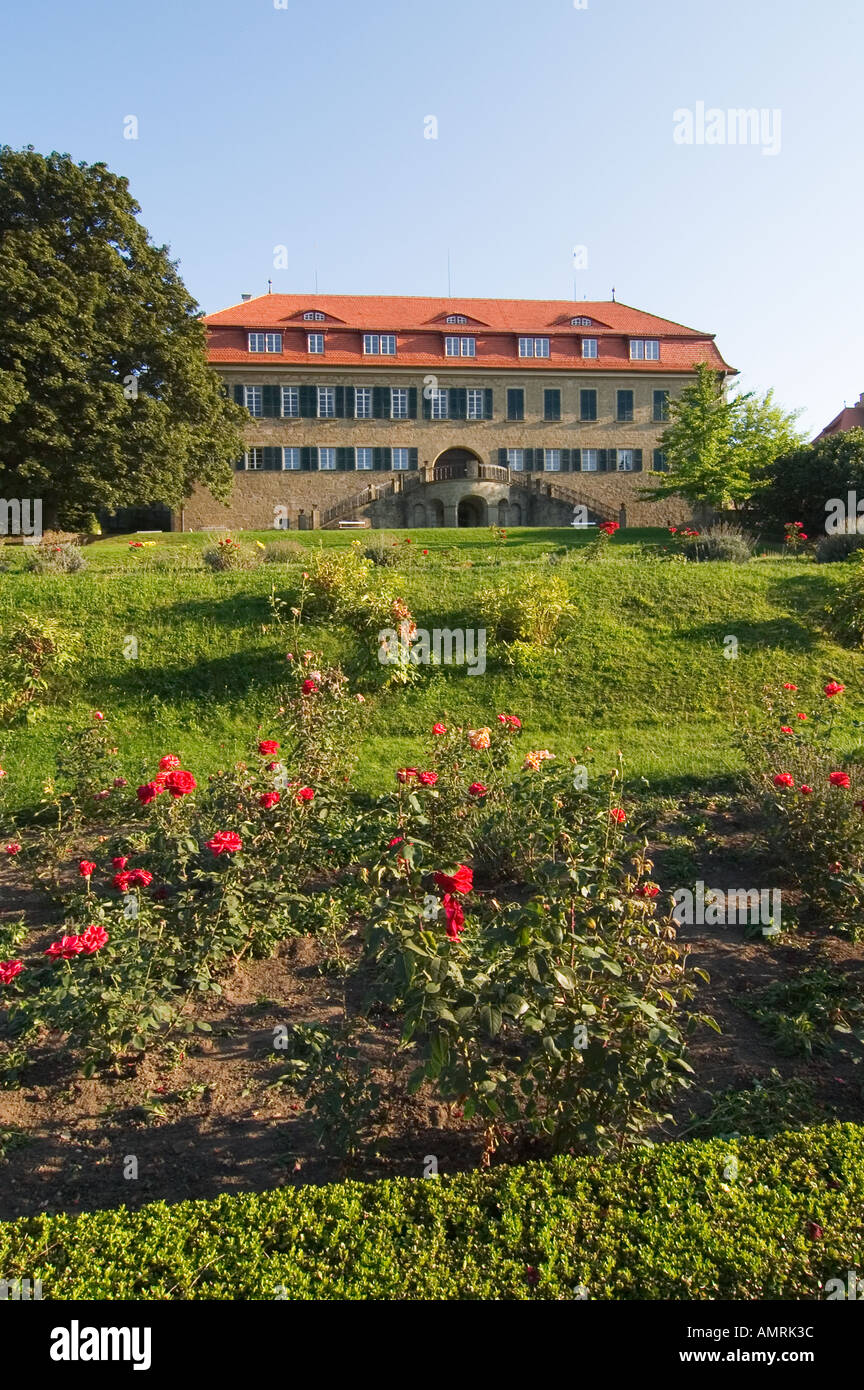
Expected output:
(641, 668)
(668, 1224)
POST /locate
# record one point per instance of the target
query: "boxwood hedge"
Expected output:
(676, 1222)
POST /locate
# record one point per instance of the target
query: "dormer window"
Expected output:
(313, 316)
(265, 342)
(456, 318)
(533, 347)
(645, 349)
(315, 343)
(581, 323)
(460, 347)
(379, 344)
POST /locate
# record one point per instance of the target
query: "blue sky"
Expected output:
(303, 126)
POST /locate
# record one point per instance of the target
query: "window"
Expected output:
(314, 316)
(660, 464)
(645, 349)
(290, 400)
(255, 459)
(625, 405)
(265, 342)
(533, 347)
(379, 344)
(474, 406)
(589, 347)
(399, 403)
(439, 404)
(516, 459)
(315, 343)
(291, 458)
(252, 399)
(456, 318)
(326, 459)
(364, 458)
(552, 460)
(552, 405)
(363, 403)
(326, 402)
(588, 405)
(401, 459)
(590, 460)
(661, 405)
(515, 403)
(581, 323)
(625, 460)
(460, 347)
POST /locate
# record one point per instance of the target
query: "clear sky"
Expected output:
(304, 126)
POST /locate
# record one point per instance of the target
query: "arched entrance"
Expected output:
(455, 463)
(472, 512)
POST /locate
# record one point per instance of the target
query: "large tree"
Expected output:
(106, 396)
(810, 483)
(718, 447)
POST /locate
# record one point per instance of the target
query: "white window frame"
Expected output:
(327, 451)
(379, 344)
(645, 349)
(362, 452)
(315, 344)
(398, 400)
(581, 323)
(265, 342)
(252, 465)
(326, 396)
(474, 404)
(589, 347)
(591, 464)
(533, 347)
(551, 460)
(364, 393)
(291, 400)
(456, 346)
(456, 318)
(400, 450)
(314, 316)
(512, 456)
(439, 403)
(625, 460)
(253, 400)
(290, 452)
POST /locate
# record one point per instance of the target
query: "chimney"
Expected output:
(245, 297)
(861, 399)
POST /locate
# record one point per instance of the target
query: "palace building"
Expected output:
(396, 411)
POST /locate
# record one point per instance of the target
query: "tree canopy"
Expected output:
(801, 484)
(106, 395)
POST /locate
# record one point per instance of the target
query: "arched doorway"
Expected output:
(436, 512)
(472, 512)
(419, 517)
(455, 463)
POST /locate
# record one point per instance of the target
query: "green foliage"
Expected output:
(106, 395)
(528, 607)
(720, 542)
(846, 608)
(811, 1013)
(35, 654)
(768, 1106)
(228, 554)
(55, 559)
(832, 548)
(800, 482)
(325, 1068)
(572, 1228)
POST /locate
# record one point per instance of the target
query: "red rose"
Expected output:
(148, 792)
(397, 840)
(67, 947)
(834, 688)
(308, 687)
(98, 715)
(784, 779)
(169, 762)
(789, 686)
(439, 729)
(9, 969)
(839, 779)
(427, 779)
(119, 862)
(406, 774)
(86, 868)
(269, 799)
(618, 815)
(122, 881)
(646, 890)
(268, 746)
(180, 783)
(800, 716)
(14, 848)
(806, 791)
(455, 917)
(306, 794)
(477, 789)
(225, 842)
(510, 720)
(142, 876)
(460, 882)
(784, 729)
(93, 939)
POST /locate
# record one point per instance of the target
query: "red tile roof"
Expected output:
(850, 418)
(420, 325)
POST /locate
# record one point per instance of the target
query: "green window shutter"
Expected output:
(412, 458)
(565, 460)
(273, 460)
(660, 461)
(307, 457)
(602, 460)
(412, 402)
(488, 403)
(588, 404)
(240, 465)
(308, 402)
(378, 459)
(637, 460)
(529, 460)
(426, 407)
(502, 458)
(350, 400)
(240, 395)
(380, 402)
(458, 403)
(271, 400)
(576, 460)
(339, 403)
(515, 403)
(625, 405)
(552, 404)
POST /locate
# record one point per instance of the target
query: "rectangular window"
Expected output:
(661, 405)
(440, 404)
(460, 347)
(379, 344)
(552, 460)
(515, 403)
(533, 347)
(588, 405)
(290, 401)
(516, 459)
(326, 402)
(625, 460)
(399, 403)
(315, 343)
(252, 399)
(552, 405)
(475, 405)
(326, 459)
(590, 460)
(363, 403)
(645, 349)
(364, 459)
(255, 459)
(625, 406)
(589, 347)
(291, 458)
(401, 459)
(265, 342)
(660, 464)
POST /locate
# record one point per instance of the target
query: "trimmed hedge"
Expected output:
(662, 1223)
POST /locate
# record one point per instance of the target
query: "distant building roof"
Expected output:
(851, 417)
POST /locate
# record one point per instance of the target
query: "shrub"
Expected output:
(846, 610)
(228, 554)
(839, 547)
(339, 585)
(721, 542)
(62, 558)
(284, 552)
(529, 607)
(35, 652)
(383, 549)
